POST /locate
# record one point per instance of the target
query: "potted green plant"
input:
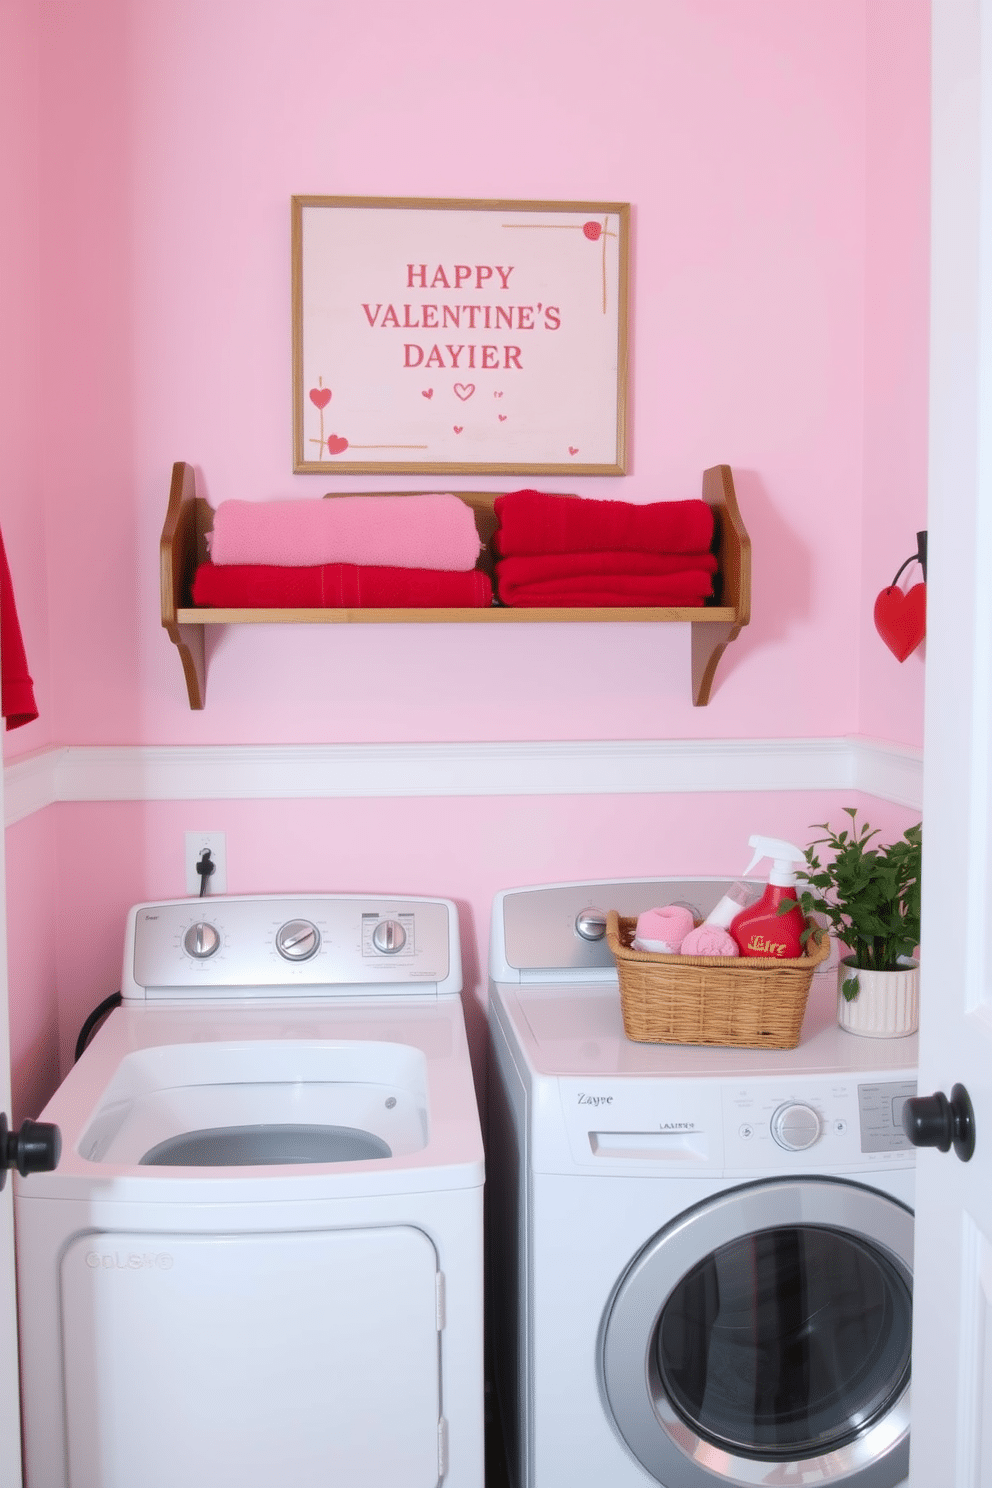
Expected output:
(870, 896)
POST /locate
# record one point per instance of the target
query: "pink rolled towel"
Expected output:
(662, 930)
(431, 530)
(710, 940)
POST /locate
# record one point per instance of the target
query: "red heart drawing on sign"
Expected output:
(592, 230)
(573, 449)
(336, 446)
(320, 397)
(464, 390)
(901, 619)
(427, 393)
(497, 395)
(458, 428)
(501, 417)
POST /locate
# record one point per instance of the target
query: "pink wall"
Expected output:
(897, 268)
(776, 159)
(22, 394)
(739, 134)
(464, 848)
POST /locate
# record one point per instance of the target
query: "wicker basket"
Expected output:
(738, 1002)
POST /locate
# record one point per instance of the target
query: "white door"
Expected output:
(952, 1347)
(10, 1430)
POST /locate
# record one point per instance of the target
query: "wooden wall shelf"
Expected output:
(189, 518)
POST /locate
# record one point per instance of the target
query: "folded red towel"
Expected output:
(540, 522)
(534, 568)
(336, 586)
(16, 687)
(588, 590)
(516, 574)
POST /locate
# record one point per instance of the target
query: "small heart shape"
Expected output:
(458, 428)
(501, 417)
(593, 231)
(464, 390)
(320, 397)
(497, 395)
(573, 449)
(336, 446)
(427, 393)
(901, 619)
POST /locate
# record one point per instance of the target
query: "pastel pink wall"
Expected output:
(739, 133)
(22, 491)
(776, 159)
(462, 848)
(897, 269)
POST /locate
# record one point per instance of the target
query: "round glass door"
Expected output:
(771, 1325)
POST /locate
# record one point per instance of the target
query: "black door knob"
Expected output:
(935, 1121)
(36, 1148)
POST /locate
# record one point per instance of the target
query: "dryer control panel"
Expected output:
(291, 946)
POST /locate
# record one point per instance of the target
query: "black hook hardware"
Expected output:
(920, 557)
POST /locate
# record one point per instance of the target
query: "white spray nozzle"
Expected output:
(783, 855)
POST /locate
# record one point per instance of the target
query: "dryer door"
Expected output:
(764, 1337)
(247, 1360)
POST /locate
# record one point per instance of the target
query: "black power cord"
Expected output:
(86, 1032)
(205, 866)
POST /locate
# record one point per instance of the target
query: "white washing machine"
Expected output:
(701, 1259)
(259, 1260)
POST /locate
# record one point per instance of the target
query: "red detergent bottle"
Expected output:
(762, 930)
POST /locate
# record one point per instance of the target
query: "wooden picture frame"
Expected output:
(450, 336)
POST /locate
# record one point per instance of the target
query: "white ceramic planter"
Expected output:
(887, 1004)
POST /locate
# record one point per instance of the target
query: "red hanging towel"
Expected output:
(17, 702)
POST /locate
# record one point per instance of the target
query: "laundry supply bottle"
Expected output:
(761, 930)
(737, 898)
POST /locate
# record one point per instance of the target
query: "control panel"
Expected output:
(291, 946)
(762, 1125)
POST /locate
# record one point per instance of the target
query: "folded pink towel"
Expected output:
(710, 940)
(433, 530)
(662, 930)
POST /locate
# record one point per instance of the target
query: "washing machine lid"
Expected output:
(358, 1098)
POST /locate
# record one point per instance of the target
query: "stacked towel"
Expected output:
(338, 586)
(349, 552)
(569, 552)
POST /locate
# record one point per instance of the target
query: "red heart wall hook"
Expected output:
(901, 617)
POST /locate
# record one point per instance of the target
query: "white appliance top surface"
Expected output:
(561, 994)
(172, 1062)
(578, 1030)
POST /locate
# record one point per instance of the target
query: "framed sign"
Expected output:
(459, 336)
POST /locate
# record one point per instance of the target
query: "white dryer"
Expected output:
(701, 1258)
(259, 1260)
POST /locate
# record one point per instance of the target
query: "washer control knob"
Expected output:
(796, 1126)
(590, 923)
(297, 940)
(201, 940)
(389, 937)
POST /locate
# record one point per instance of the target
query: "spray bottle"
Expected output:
(761, 930)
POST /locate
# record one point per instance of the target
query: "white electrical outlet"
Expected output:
(196, 844)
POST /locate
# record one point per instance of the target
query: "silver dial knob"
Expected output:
(298, 940)
(796, 1126)
(389, 937)
(590, 923)
(201, 940)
